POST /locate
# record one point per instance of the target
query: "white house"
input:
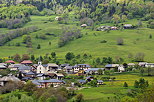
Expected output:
(149, 65)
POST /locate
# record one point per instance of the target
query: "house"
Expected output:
(128, 26)
(27, 62)
(82, 81)
(24, 69)
(89, 78)
(114, 28)
(52, 67)
(10, 62)
(69, 69)
(99, 82)
(48, 83)
(59, 76)
(79, 67)
(30, 74)
(62, 66)
(84, 25)
(149, 65)
(131, 65)
(58, 18)
(8, 78)
(142, 64)
(2, 67)
(111, 66)
(94, 70)
(104, 28)
(121, 68)
(14, 67)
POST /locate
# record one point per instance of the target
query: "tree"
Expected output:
(93, 83)
(38, 46)
(141, 71)
(53, 54)
(139, 56)
(69, 56)
(136, 84)
(100, 71)
(17, 57)
(120, 41)
(29, 87)
(32, 57)
(79, 98)
(25, 57)
(125, 84)
(98, 60)
(150, 36)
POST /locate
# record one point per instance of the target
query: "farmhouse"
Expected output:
(79, 67)
(14, 66)
(128, 26)
(142, 64)
(111, 66)
(94, 70)
(48, 83)
(10, 62)
(99, 82)
(8, 78)
(149, 65)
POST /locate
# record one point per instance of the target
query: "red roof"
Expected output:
(26, 62)
(9, 61)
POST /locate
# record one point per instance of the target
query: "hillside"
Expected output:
(135, 41)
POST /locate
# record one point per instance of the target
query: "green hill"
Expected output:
(135, 41)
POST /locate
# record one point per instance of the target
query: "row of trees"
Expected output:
(69, 34)
(16, 33)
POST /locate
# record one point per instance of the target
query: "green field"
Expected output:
(135, 41)
(111, 89)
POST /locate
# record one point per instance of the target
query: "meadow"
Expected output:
(135, 41)
(113, 88)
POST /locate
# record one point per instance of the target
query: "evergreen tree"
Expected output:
(125, 84)
(38, 46)
(136, 84)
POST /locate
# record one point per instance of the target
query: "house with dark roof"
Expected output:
(48, 83)
(82, 81)
(118, 67)
(14, 67)
(94, 70)
(68, 69)
(89, 78)
(24, 69)
(79, 67)
(99, 82)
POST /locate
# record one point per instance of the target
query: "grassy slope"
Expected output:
(135, 41)
(97, 94)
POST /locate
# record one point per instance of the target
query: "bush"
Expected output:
(103, 41)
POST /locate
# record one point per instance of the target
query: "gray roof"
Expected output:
(2, 66)
(30, 73)
(69, 67)
(51, 80)
(9, 78)
(15, 65)
(94, 69)
(23, 67)
(89, 77)
(40, 75)
(99, 81)
(82, 65)
(82, 81)
(36, 82)
(44, 65)
(111, 65)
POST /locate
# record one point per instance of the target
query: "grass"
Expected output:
(111, 89)
(135, 41)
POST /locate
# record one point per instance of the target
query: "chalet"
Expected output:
(30, 74)
(82, 81)
(79, 67)
(89, 78)
(99, 82)
(111, 66)
(149, 65)
(84, 25)
(58, 18)
(27, 62)
(94, 70)
(24, 69)
(59, 76)
(8, 78)
(2, 67)
(14, 67)
(10, 62)
(69, 69)
(48, 83)
(52, 67)
(142, 64)
(128, 26)
(131, 65)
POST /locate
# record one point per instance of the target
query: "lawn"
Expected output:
(135, 41)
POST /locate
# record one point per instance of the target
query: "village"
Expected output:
(53, 75)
